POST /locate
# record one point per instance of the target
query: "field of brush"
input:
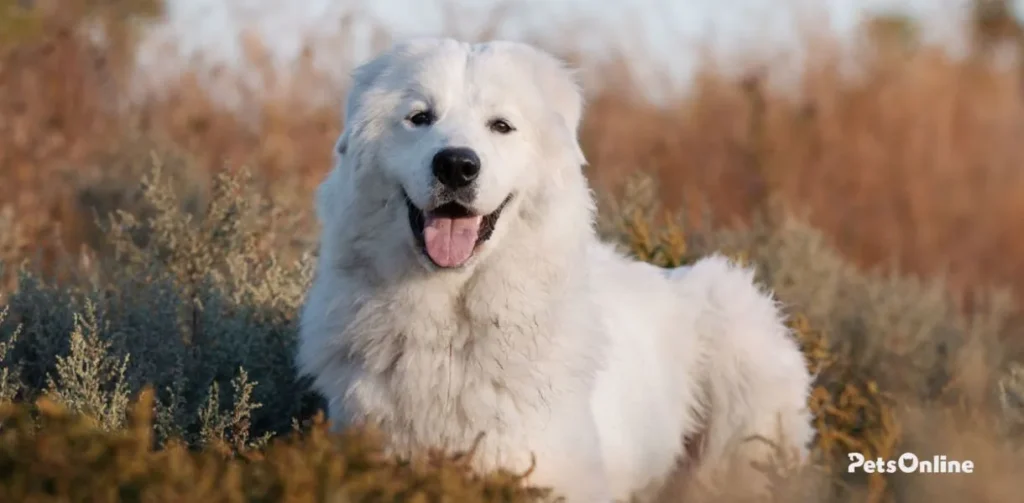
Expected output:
(155, 253)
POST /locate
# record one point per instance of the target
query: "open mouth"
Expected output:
(449, 234)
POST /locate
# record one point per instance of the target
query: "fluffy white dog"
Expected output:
(462, 289)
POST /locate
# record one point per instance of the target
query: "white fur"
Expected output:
(547, 341)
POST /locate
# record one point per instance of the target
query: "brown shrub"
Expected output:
(914, 162)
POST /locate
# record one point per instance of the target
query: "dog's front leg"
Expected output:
(568, 457)
(577, 478)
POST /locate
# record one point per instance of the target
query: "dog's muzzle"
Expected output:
(450, 234)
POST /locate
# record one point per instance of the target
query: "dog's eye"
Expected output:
(500, 126)
(420, 119)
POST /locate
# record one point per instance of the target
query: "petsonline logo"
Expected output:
(908, 463)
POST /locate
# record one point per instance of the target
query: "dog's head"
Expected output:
(461, 136)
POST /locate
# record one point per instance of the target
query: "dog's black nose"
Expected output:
(456, 167)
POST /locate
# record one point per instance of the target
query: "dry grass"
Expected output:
(914, 165)
(83, 463)
(915, 162)
(918, 163)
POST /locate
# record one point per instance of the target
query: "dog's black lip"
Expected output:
(417, 218)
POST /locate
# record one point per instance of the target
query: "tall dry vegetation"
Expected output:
(915, 160)
(155, 271)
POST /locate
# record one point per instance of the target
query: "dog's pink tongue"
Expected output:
(450, 241)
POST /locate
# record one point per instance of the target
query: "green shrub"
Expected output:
(195, 301)
(191, 303)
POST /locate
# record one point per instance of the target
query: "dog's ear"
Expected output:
(560, 86)
(341, 146)
(365, 78)
(327, 194)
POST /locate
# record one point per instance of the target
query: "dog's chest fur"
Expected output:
(436, 367)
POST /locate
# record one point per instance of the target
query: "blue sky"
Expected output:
(666, 32)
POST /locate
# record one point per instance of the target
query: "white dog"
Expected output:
(462, 290)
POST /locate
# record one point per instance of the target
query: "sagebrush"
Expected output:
(196, 304)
